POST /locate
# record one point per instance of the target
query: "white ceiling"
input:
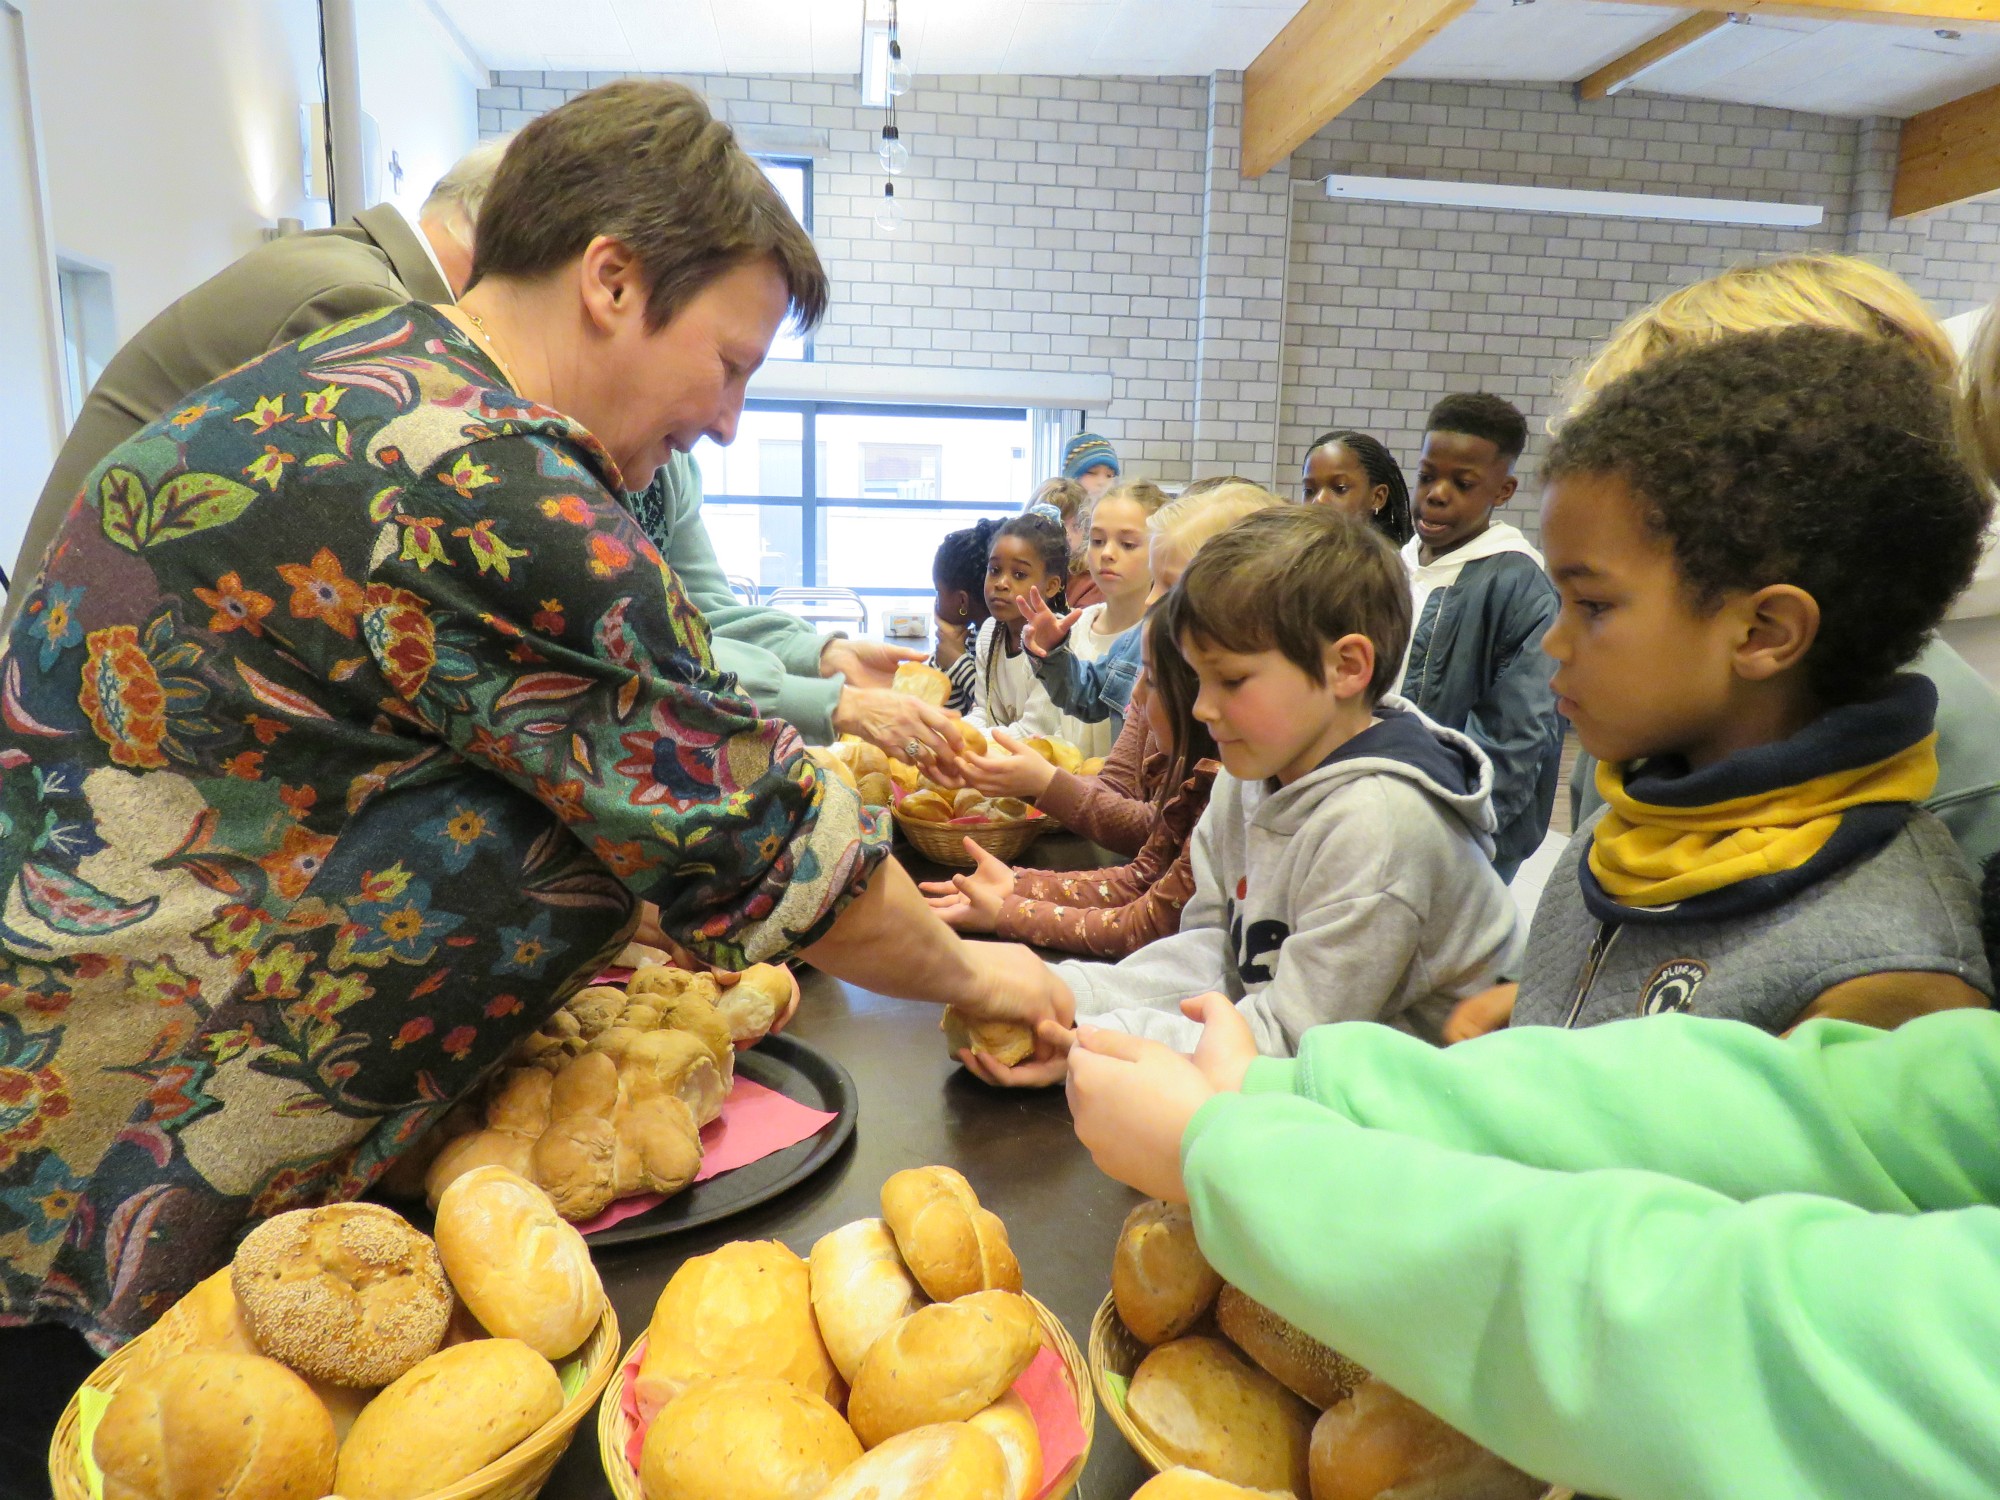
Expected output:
(1840, 68)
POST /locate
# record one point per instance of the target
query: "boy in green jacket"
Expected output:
(1674, 1260)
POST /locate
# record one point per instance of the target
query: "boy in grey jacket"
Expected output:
(1343, 867)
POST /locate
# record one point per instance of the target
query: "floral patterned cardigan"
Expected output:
(352, 718)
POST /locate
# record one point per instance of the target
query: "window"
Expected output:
(793, 180)
(89, 337)
(884, 487)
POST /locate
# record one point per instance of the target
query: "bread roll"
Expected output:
(745, 1309)
(951, 1244)
(1300, 1361)
(926, 807)
(1010, 1424)
(1379, 1443)
(1092, 767)
(942, 1364)
(922, 682)
(449, 1417)
(348, 1293)
(951, 1461)
(1206, 1406)
(752, 1005)
(208, 1319)
(860, 1289)
(966, 801)
(1161, 1283)
(211, 1425)
(973, 738)
(1006, 1041)
(681, 1060)
(523, 1272)
(597, 1008)
(1192, 1484)
(833, 763)
(670, 983)
(744, 1437)
(483, 1148)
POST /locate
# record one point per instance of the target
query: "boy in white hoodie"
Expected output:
(1483, 604)
(1343, 866)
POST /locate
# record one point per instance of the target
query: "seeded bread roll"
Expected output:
(211, 1425)
(1010, 1424)
(1161, 1283)
(670, 983)
(943, 1363)
(951, 1244)
(449, 1417)
(1380, 1445)
(348, 1293)
(1206, 1406)
(523, 1272)
(950, 1461)
(860, 1290)
(1006, 1041)
(1300, 1361)
(744, 1437)
(745, 1309)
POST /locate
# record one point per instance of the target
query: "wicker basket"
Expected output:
(516, 1475)
(1113, 1350)
(944, 843)
(614, 1428)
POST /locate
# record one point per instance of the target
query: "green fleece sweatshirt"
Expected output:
(1663, 1259)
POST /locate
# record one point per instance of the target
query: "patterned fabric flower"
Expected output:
(323, 592)
(268, 467)
(32, 1093)
(55, 623)
(296, 861)
(268, 412)
(459, 831)
(527, 950)
(41, 1196)
(403, 926)
(236, 607)
(399, 631)
(123, 699)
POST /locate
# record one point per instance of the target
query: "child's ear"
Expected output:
(1507, 487)
(1380, 497)
(1349, 665)
(1782, 622)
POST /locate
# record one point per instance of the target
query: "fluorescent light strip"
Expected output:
(1509, 197)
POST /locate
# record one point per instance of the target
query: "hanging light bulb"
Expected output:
(900, 76)
(889, 215)
(895, 155)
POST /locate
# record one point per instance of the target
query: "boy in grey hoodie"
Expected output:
(1343, 866)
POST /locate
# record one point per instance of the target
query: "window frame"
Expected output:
(804, 164)
(810, 502)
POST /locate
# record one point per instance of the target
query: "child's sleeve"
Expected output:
(983, 645)
(1111, 809)
(1516, 715)
(1092, 691)
(1624, 1331)
(1104, 913)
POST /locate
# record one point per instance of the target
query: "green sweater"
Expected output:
(775, 656)
(1673, 1259)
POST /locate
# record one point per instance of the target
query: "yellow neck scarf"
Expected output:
(1644, 854)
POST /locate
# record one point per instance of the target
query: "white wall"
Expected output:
(421, 88)
(171, 133)
(30, 404)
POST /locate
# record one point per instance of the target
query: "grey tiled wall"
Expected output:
(1101, 224)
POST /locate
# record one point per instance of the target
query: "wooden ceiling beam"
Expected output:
(1677, 38)
(1948, 154)
(1329, 54)
(1890, 12)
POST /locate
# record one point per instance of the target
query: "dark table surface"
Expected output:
(917, 1107)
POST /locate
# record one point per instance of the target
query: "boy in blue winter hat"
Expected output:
(1091, 462)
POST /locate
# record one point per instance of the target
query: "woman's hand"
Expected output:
(1010, 983)
(1131, 1100)
(893, 722)
(1007, 769)
(971, 903)
(1476, 1015)
(865, 664)
(950, 643)
(1042, 630)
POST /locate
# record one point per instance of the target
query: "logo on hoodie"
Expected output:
(1255, 943)
(1672, 987)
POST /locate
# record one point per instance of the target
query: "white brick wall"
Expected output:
(1101, 224)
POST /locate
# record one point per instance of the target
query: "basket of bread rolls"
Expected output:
(343, 1351)
(891, 1360)
(938, 819)
(608, 1097)
(1226, 1398)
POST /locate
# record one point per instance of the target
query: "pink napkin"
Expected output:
(755, 1121)
(1044, 1386)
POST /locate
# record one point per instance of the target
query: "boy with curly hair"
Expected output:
(1748, 550)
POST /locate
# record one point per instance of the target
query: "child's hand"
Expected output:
(1049, 1064)
(980, 894)
(1227, 1046)
(1132, 1100)
(1041, 630)
(1476, 1015)
(1007, 769)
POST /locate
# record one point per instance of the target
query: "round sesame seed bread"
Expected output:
(1302, 1362)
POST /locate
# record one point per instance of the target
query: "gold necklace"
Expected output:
(479, 327)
